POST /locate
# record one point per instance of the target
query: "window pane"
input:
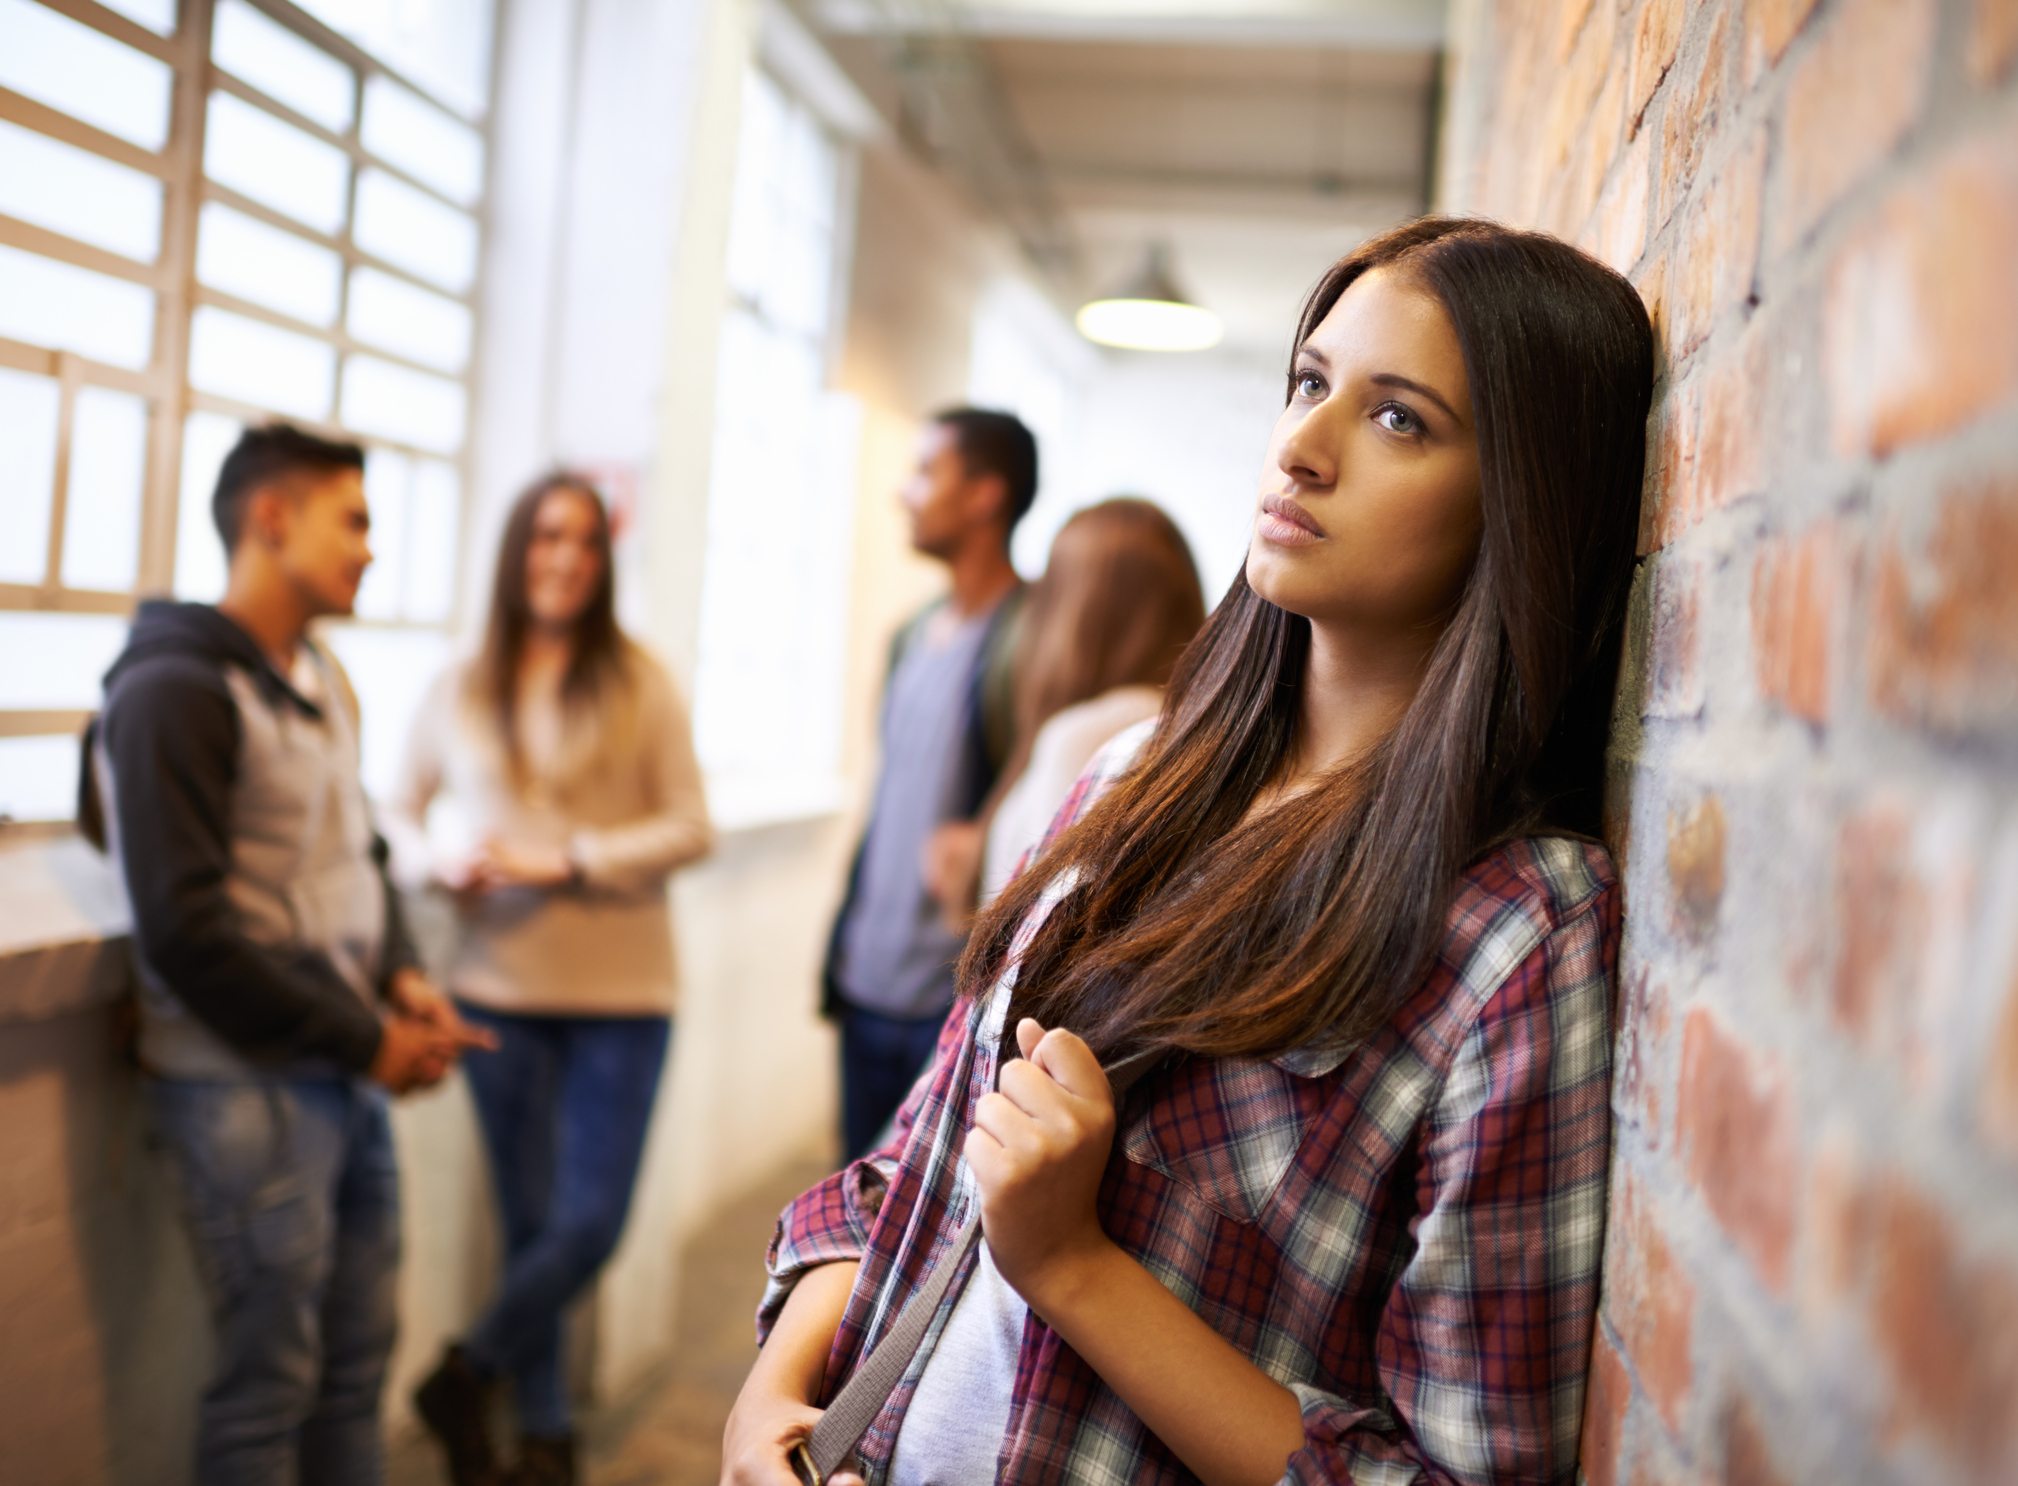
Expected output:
(101, 518)
(28, 415)
(392, 313)
(444, 45)
(85, 73)
(412, 229)
(38, 778)
(387, 476)
(199, 553)
(288, 68)
(157, 16)
(751, 229)
(408, 131)
(277, 165)
(73, 309)
(434, 517)
(391, 670)
(54, 661)
(248, 258)
(260, 364)
(407, 406)
(78, 194)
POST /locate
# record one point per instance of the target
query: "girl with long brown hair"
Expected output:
(1338, 930)
(566, 752)
(1100, 635)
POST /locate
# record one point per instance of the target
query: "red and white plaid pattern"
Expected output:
(1407, 1234)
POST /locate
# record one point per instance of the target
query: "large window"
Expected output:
(215, 214)
(774, 603)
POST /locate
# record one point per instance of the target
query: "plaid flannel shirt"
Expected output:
(1406, 1234)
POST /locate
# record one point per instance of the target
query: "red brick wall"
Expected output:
(1813, 1256)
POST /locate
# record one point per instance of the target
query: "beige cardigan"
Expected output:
(603, 947)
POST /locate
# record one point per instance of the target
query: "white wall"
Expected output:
(1186, 430)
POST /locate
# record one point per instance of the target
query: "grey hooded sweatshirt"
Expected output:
(264, 926)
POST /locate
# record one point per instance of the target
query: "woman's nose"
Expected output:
(1309, 452)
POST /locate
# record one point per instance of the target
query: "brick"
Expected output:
(1720, 255)
(1948, 1325)
(1851, 100)
(1570, 18)
(2000, 1078)
(1657, 31)
(1651, 1302)
(1577, 87)
(1729, 461)
(1837, 1226)
(1607, 1392)
(1920, 312)
(1645, 1037)
(1674, 647)
(1689, 120)
(1748, 1457)
(1993, 39)
(1618, 231)
(1944, 620)
(1736, 1125)
(1675, 451)
(1769, 26)
(1652, 282)
(1880, 919)
(1696, 866)
(1794, 598)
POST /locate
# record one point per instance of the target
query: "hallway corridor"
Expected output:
(668, 1431)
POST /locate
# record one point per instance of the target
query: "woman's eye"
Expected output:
(1397, 419)
(1310, 384)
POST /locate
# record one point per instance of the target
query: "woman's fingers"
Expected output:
(1001, 1120)
(1066, 1057)
(1029, 1032)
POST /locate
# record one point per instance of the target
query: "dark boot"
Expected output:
(545, 1460)
(454, 1403)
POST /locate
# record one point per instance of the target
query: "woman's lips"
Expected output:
(1287, 524)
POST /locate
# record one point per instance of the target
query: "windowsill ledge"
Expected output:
(63, 925)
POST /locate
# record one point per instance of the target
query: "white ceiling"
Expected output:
(1257, 163)
(1403, 24)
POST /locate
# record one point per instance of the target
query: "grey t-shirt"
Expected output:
(897, 955)
(959, 1411)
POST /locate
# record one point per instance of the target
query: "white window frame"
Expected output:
(164, 383)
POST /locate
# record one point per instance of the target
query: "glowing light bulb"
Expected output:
(1149, 324)
(1150, 313)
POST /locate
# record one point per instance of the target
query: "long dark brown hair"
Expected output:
(1118, 602)
(601, 652)
(1186, 928)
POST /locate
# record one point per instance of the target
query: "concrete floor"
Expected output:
(668, 1430)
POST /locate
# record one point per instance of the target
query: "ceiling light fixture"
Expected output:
(1150, 313)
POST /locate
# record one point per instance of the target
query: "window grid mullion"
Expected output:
(175, 306)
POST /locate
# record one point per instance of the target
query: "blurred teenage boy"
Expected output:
(948, 725)
(280, 996)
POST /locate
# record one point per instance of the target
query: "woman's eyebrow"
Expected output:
(1390, 379)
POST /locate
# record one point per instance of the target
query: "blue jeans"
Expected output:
(290, 1192)
(881, 1057)
(564, 1103)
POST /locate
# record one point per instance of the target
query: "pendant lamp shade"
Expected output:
(1149, 313)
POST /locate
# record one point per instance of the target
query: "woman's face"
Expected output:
(1369, 516)
(563, 565)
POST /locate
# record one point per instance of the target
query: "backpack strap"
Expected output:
(862, 1397)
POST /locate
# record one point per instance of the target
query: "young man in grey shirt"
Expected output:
(946, 729)
(280, 997)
